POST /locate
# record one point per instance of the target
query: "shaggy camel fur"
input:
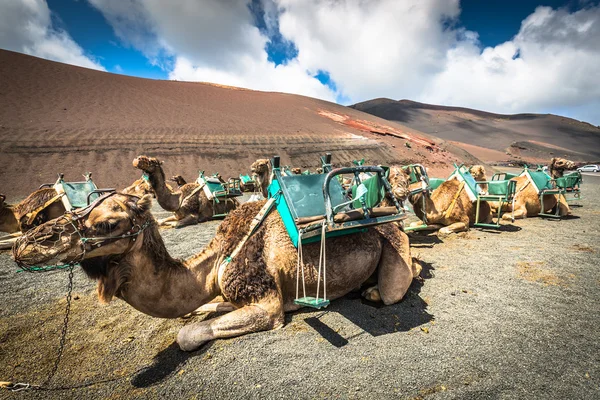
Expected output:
(259, 283)
(13, 218)
(440, 212)
(527, 200)
(189, 204)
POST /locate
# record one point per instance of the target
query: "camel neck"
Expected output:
(168, 200)
(160, 286)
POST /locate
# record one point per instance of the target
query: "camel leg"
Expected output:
(7, 244)
(563, 206)
(167, 221)
(520, 213)
(262, 316)
(223, 306)
(187, 220)
(454, 228)
(394, 275)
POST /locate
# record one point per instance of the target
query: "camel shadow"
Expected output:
(501, 229)
(421, 240)
(377, 319)
(164, 364)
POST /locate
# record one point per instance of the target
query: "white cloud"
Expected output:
(374, 48)
(212, 40)
(26, 27)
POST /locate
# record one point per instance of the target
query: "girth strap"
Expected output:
(453, 203)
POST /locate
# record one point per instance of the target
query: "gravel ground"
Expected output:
(510, 314)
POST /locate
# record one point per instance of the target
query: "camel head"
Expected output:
(478, 172)
(178, 179)
(296, 171)
(139, 188)
(261, 172)
(147, 164)
(558, 166)
(399, 180)
(109, 227)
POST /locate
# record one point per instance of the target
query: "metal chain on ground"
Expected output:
(63, 335)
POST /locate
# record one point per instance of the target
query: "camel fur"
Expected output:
(259, 283)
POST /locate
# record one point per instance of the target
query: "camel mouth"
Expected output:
(48, 244)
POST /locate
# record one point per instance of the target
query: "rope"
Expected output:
(300, 263)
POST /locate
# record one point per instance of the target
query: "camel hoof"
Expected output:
(372, 294)
(416, 267)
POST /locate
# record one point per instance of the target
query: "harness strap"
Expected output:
(453, 203)
(31, 216)
(254, 225)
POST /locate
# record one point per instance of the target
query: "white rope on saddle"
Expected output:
(322, 267)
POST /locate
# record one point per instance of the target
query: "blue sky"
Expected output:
(502, 56)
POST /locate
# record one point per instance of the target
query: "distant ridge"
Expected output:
(525, 136)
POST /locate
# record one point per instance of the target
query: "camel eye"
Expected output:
(106, 226)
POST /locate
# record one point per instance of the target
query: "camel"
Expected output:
(527, 200)
(444, 211)
(189, 204)
(179, 180)
(261, 172)
(125, 253)
(19, 217)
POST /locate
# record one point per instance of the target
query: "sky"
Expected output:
(499, 56)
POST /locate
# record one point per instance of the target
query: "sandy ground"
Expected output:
(511, 314)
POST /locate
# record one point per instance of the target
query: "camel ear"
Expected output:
(2, 198)
(145, 203)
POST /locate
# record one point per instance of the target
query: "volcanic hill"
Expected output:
(61, 118)
(495, 137)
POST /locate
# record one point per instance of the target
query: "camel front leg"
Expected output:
(563, 206)
(519, 213)
(187, 220)
(256, 317)
(7, 244)
(170, 221)
(394, 275)
(223, 306)
(454, 228)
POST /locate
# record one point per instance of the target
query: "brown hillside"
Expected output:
(60, 118)
(495, 137)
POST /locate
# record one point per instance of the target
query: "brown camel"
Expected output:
(179, 180)
(444, 210)
(261, 172)
(125, 253)
(19, 217)
(527, 199)
(189, 204)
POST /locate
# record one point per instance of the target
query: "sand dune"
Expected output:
(533, 137)
(60, 118)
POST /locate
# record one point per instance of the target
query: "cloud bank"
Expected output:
(26, 26)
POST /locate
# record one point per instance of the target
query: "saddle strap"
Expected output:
(453, 203)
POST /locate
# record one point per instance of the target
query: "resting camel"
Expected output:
(261, 172)
(179, 180)
(129, 260)
(443, 212)
(15, 218)
(527, 200)
(189, 204)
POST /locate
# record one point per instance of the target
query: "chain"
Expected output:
(63, 336)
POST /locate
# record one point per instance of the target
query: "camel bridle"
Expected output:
(76, 220)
